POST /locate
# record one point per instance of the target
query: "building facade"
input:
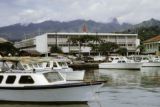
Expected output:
(152, 46)
(42, 43)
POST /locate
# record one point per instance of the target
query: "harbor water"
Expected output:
(125, 88)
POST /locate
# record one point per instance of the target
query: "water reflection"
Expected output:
(127, 88)
(120, 77)
(147, 76)
(150, 76)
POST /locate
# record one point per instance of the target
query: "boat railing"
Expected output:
(17, 72)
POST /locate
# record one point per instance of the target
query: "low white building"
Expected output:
(42, 43)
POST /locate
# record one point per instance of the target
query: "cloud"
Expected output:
(26, 11)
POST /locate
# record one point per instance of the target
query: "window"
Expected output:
(53, 76)
(3, 67)
(1, 78)
(35, 65)
(54, 64)
(48, 64)
(123, 61)
(30, 65)
(20, 66)
(62, 63)
(121, 37)
(10, 79)
(26, 80)
(39, 64)
(130, 44)
(25, 66)
(122, 44)
(119, 61)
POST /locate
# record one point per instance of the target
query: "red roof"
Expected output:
(154, 39)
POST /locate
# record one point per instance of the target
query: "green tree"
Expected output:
(122, 51)
(148, 32)
(80, 40)
(55, 49)
(8, 48)
(141, 48)
(107, 47)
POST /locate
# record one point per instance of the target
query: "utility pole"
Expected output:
(56, 39)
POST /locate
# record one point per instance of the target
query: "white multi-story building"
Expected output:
(42, 43)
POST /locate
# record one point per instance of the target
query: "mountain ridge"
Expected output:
(20, 31)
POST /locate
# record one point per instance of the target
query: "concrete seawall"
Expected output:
(82, 66)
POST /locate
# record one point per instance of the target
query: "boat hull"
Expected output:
(126, 66)
(74, 76)
(151, 64)
(71, 93)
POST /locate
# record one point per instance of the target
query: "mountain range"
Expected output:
(20, 31)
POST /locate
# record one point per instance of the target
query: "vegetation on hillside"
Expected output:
(145, 33)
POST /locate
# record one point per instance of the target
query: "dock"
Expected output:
(81, 66)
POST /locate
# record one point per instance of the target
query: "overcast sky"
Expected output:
(26, 11)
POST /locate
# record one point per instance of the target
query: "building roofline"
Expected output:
(81, 33)
(153, 39)
(88, 33)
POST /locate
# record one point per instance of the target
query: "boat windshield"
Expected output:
(53, 76)
(62, 63)
(3, 67)
(30, 65)
(39, 64)
(25, 66)
(35, 65)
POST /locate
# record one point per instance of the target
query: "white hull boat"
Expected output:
(121, 63)
(62, 67)
(51, 64)
(43, 86)
(135, 66)
(77, 92)
(73, 75)
(151, 64)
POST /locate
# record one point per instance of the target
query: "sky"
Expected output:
(35, 11)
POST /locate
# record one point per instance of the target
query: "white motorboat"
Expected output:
(151, 64)
(43, 86)
(154, 62)
(121, 63)
(47, 64)
(139, 58)
(66, 71)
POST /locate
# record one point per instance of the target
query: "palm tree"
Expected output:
(122, 51)
(80, 40)
(141, 48)
(107, 47)
(55, 49)
(95, 44)
(8, 48)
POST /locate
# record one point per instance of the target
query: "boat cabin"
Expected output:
(20, 65)
(56, 65)
(18, 79)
